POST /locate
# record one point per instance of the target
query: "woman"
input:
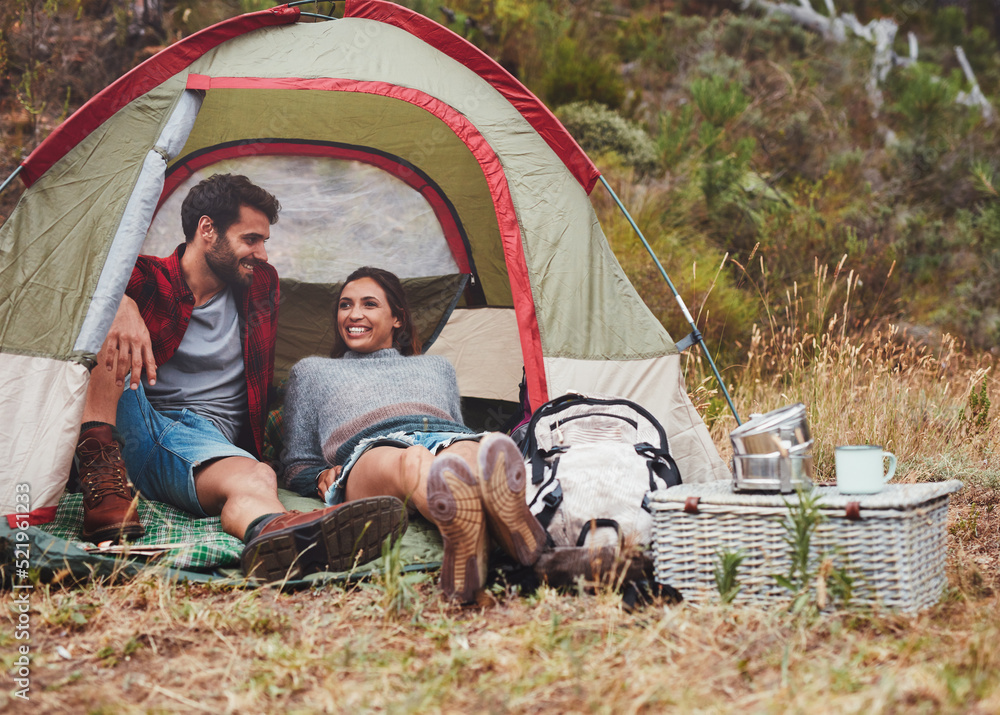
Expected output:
(378, 418)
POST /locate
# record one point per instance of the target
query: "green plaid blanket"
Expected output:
(198, 543)
(206, 549)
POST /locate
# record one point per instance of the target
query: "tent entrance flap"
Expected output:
(306, 321)
(407, 132)
(337, 215)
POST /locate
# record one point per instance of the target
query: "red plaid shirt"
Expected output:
(165, 302)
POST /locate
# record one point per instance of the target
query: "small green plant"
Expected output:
(674, 141)
(397, 593)
(726, 577)
(967, 527)
(811, 577)
(976, 420)
(803, 517)
(725, 157)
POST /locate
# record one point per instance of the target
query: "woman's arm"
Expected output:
(455, 398)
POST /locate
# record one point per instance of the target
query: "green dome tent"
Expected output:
(389, 141)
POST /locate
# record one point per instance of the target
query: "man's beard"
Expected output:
(223, 261)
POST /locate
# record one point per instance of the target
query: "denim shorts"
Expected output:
(162, 450)
(433, 441)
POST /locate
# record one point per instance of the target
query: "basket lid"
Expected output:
(893, 496)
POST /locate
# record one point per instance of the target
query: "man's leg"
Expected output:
(240, 490)
(282, 544)
(109, 510)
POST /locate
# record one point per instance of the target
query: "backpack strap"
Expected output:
(661, 465)
(598, 523)
(539, 460)
(552, 500)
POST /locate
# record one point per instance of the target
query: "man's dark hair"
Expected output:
(220, 197)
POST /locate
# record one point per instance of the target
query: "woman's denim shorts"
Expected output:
(433, 441)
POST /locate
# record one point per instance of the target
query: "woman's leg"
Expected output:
(401, 472)
(394, 471)
(445, 490)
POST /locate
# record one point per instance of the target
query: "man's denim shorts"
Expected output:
(162, 450)
(433, 441)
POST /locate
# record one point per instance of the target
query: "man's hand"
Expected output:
(128, 346)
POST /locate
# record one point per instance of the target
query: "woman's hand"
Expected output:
(326, 478)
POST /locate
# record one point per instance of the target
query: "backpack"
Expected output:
(591, 461)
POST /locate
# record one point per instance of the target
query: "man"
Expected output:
(201, 325)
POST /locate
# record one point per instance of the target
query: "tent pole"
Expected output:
(313, 14)
(695, 333)
(11, 177)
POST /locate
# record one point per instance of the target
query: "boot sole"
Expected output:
(456, 508)
(504, 482)
(127, 531)
(347, 537)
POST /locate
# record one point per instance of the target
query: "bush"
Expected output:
(575, 76)
(925, 100)
(598, 129)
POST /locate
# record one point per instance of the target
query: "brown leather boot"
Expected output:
(109, 511)
(336, 538)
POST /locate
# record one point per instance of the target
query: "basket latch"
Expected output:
(691, 505)
(853, 511)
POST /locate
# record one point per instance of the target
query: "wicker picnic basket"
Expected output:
(892, 543)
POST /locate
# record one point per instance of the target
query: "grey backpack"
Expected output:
(591, 462)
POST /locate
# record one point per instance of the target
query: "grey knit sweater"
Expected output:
(331, 404)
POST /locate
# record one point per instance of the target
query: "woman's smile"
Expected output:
(364, 317)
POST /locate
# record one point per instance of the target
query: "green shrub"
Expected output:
(925, 100)
(725, 155)
(598, 129)
(949, 25)
(754, 38)
(576, 76)
(675, 139)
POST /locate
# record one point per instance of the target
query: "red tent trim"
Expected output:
(489, 163)
(463, 51)
(141, 79)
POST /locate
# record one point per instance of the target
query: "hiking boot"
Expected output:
(565, 565)
(109, 510)
(456, 508)
(337, 538)
(508, 518)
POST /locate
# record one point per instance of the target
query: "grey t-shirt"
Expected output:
(206, 375)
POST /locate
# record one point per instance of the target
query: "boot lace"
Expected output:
(103, 472)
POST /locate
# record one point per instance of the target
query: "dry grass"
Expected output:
(144, 646)
(394, 646)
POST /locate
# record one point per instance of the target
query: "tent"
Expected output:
(389, 141)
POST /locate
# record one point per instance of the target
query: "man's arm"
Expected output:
(128, 346)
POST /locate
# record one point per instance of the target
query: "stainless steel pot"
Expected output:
(771, 452)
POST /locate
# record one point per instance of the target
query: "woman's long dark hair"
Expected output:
(404, 338)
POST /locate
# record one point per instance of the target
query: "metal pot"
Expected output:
(771, 452)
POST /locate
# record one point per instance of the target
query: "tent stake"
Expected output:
(11, 177)
(695, 333)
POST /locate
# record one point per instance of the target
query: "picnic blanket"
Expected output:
(180, 545)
